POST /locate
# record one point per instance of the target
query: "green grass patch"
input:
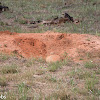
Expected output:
(7, 69)
(90, 84)
(84, 10)
(11, 95)
(80, 74)
(4, 57)
(51, 78)
(90, 65)
(22, 21)
(54, 66)
(30, 62)
(23, 91)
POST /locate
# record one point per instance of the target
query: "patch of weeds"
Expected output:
(3, 82)
(71, 73)
(54, 66)
(8, 15)
(95, 92)
(4, 57)
(16, 28)
(80, 74)
(30, 62)
(47, 9)
(72, 82)
(22, 21)
(11, 96)
(86, 74)
(81, 59)
(9, 69)
(89, 64)
(23, 91)
(2, 23)
(90, 84)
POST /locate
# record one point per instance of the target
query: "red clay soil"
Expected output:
(76, 46)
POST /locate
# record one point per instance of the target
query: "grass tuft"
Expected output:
(90, 84)
(4, 57)
(9, 69)
(3, 82)
(89, 64)
(23, 90)
(54, 66)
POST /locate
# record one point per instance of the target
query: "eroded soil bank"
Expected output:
(75, 46)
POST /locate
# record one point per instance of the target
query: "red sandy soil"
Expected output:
(76, 46)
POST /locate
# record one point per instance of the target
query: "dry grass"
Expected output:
(87, 11)
(69, 81)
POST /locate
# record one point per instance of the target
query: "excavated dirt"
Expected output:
(76, 46)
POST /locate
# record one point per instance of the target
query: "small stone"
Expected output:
(52, 58)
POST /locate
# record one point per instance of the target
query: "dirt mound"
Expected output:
(31, 47)
(76, 46)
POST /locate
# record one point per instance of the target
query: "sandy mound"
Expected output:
(76, 46)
